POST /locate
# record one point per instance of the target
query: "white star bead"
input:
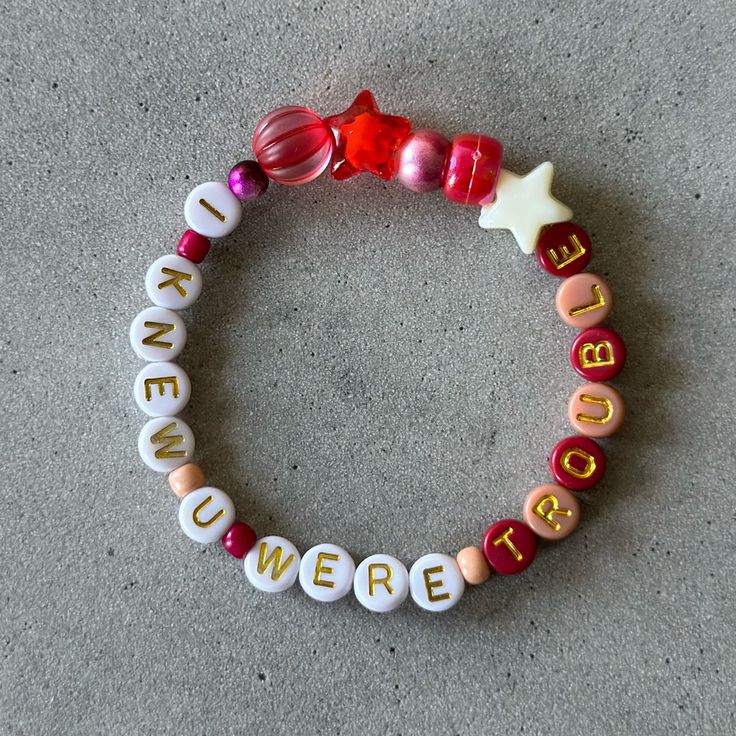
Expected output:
(523, 204)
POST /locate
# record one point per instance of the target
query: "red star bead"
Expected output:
(366, 139)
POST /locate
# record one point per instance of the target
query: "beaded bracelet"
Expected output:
(293, 145)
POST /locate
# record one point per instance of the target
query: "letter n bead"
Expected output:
(509, 546)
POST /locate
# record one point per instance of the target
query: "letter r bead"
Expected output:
(509, 546)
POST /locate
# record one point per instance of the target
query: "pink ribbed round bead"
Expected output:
(421, 159)
(293, 145)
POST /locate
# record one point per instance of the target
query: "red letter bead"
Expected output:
(239, 539)
(193, 246)
(584, 300)
(509, 546)
(366, 139)
(577, 463)
(421, 160)
(472, 167)
(598, 354)
(551, 511)
(596, 410)
(563, 249)
(293, 145)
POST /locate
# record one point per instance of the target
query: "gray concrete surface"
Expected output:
(370, 368)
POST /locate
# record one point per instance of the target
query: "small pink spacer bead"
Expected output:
(193, 246)
(239, 539)
(473, 565)
(185, 479)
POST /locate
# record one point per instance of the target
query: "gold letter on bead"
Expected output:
(176, 278)
(373, 580)
(161, 382)
(554, 509)
(163, 329)
(209, 522)
(504, 539)
(564, 256)
(320, 568)
(273, 559)
(592, 354)
(162, 436)
(598, 302)
(589, 468)
(430, 585)
(603, 401)
(212, 210)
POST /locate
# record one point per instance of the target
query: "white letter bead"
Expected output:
(436, 582)
(173, 282)
(326, 572)
(165, 443)
(272, 564)
(158, 334)
(206, 514)
(162, 389)
(212, 210)
(381, 583)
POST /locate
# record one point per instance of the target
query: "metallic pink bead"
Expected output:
(247, 180)
(293, 145)
(421, 159)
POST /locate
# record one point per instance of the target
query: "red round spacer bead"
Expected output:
(509, 546)
(471, 169)
(193, 246)
(563, 249)
(598, 354)
(238, 539)
(577, 463)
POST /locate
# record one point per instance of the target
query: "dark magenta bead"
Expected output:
(472, 168)
(598, 354)
(509, 546)
(239, 539)
(577, 463)
(564, 249)
(193, 246)
(247, 180)
(366, 139)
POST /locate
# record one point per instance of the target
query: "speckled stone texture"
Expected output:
(369, 368)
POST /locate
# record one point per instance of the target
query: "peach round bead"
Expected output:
(596, 410)
(185, 479)
(473, 565)
(551, 511)
(584, 300)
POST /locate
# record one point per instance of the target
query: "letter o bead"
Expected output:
(206, 514)
(551, 512)
(509, 546)
(577, 463)
(165, 443)
(173, 282)
(212, 210)
(584, 300)
(326, 572)
(381, 583)
(596, 410)
(435, 582)
(157, 334)
(272, 564)
(162, 389)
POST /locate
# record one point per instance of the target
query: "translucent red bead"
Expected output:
(193, 246)
(577, 463)
(471, 169)
(293, 145)
(366, 139)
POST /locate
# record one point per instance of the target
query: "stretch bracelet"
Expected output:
(293, 145)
